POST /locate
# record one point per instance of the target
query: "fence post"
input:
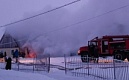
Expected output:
(48, 63)
(65, 63)
(114, 68)
(33, 64)
(18, 65)
(88, 63)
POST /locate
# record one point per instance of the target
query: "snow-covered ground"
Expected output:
(17, 75)
(54, 74)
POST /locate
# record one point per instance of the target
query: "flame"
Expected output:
(31, 55)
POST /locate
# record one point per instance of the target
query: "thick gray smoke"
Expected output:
(41, 32)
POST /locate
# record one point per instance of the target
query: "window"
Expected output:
(118, 45)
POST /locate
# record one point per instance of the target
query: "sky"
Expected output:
(43, 32)
(15, 10)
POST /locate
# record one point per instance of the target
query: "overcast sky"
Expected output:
(69, 39)
(12, 10)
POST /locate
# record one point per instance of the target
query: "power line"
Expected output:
(72, 25)
(92, 18)
(41, 13)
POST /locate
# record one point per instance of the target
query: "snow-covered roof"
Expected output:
(2, 31)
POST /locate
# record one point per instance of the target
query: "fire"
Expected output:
(29, 52)
(31, 55)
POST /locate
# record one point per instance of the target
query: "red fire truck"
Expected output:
(115, 45)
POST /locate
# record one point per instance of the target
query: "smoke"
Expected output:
(41, 32)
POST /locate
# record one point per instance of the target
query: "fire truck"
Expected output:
(108, 45)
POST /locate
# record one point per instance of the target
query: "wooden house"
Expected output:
(7, 43)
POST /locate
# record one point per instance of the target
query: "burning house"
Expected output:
(7, 44)
(28, 51)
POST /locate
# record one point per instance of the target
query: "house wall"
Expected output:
(8, 51)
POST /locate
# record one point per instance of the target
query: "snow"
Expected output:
(58, 74)
(15, 75)
(54, 74)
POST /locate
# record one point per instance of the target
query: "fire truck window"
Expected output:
(117, 45)
(104, 46)
(93, 43)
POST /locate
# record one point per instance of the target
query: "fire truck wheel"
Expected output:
(84, 57)
(120, 56)
(128, 56)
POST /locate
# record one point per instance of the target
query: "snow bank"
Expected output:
(16, 75)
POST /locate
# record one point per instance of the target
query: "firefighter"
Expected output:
(92, 46)
(12, 52)
(96, 54)
(16, 55)
(91, 50)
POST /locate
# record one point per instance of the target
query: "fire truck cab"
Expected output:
(116, 46)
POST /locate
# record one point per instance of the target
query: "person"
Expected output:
(8, 63)
(12, 52)
(23, 54)
(1, 55)
(92, 46)
(96, 54)
(16, 55)
(5, 56)
(91, 51)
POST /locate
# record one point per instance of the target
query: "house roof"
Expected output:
(2, 31)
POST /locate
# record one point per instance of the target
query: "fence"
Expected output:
(105, 69)
(41, 63)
